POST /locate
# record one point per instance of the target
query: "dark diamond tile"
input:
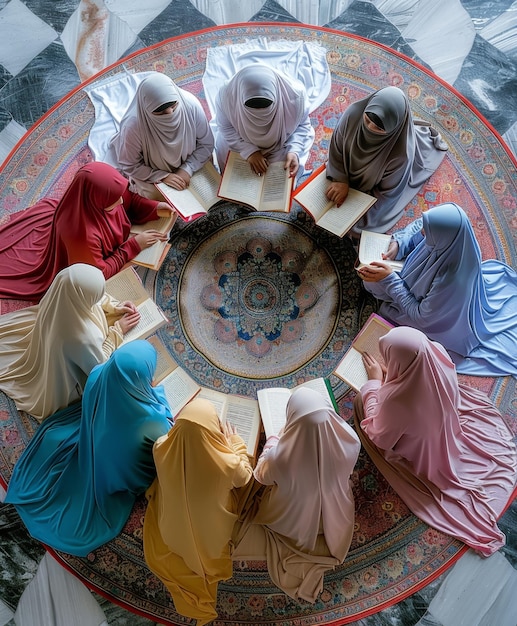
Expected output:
(273, 12)
(56, 13)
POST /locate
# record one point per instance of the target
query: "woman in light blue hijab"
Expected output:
(76, 482)
(445, 290)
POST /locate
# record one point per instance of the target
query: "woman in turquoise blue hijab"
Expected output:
(76, 482)
(445, 290)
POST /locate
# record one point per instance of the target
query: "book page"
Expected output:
(151, 318)
(183, 201)
(276, 192)
(317, 384)
(126, 285)
(179, 389)
(151, 255)
(273, 405)
(371, 248)
(163, 224)
(204, 184)
(240, 183)
(339, 220)
(351, 369)
(165, 364)
(312, 196)
(368, 338)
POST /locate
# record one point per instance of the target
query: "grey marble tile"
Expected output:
(488, 79)
(363, 19)
(55, 13)
(273, 12)
(482, 12)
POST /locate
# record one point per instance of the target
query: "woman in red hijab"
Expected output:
(90, 224)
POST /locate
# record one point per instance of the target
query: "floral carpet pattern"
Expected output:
(255, 299)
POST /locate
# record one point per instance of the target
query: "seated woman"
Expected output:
(379, 149)
(264, 116)
(164, 136)
(445, 290)
(442, 446)
(307, 509)
(193, 507)
(48, 350)
(77, 480)
(90, 224)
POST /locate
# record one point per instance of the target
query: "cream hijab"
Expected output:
(48, 350)
(167, 140)
(192, 509)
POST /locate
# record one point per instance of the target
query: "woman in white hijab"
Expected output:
(379, 149)
(307, 509)
(48, 350)
(264, 116)
(164, 136)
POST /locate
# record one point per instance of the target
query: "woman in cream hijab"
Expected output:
(48, 350)
(192, 507)
(164, 136)
(307, 509)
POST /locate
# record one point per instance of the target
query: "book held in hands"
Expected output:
(351, 367)
(198, 197)
(269, 192)
(371, 248)
(153, 256)
(336, 219)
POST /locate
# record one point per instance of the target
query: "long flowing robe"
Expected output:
(307, 509)
(48, 350)
(76, 482)
(445, 290)
(37, 243)
(149, 146)
(442, 446)
(392, 166)
(193, 507)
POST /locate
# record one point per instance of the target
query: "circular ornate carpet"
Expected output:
(257, 300)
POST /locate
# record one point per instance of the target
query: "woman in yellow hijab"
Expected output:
(192, 507)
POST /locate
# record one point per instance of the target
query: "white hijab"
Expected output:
(267, 128)
(167, 140)
(48, 350)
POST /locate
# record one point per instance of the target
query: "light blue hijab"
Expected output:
(449, 293)
(76, 482)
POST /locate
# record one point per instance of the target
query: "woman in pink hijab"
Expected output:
(442, 446)
(307, 510)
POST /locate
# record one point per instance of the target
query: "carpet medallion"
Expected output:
(257, 299)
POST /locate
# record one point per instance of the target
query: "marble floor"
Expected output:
(48, 47)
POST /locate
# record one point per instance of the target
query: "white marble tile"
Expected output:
(94, 37)
(9, 137)
(24, 35)
(441, 33)
(228, 11)
(137, 13)
(510, 137)
(398, 12)
(6, 615)
(502, 32)
(317, 12)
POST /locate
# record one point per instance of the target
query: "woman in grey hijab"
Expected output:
(164, 136)
(379, 149)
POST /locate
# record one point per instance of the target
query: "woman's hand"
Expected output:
(392, 251)
(373, 368)
(128, 321)
(376, 271)
(125, 307)
(292, 163)
(149, 237)
(337, 192)
(258, 163)
(179, 180)
(228, 430)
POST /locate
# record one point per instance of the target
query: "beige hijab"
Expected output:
(192, 508)
(48, 350)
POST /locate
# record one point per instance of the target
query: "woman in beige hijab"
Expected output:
(48, 350)
(193, 507)
(307, 510)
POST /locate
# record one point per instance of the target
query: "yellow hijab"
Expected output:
(192, 508)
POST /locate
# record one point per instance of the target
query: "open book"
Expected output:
(371, 248)
(273, 403)
(198, 197)
(153, 256)
(337, 220)
(270, 192)
(351, 368)
(126, 285)
(180, 389)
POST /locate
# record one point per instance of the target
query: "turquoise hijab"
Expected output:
(76, 482)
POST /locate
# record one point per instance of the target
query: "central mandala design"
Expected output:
(260, 297)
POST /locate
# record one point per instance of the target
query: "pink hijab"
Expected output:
(310, 472)
(442, 446)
